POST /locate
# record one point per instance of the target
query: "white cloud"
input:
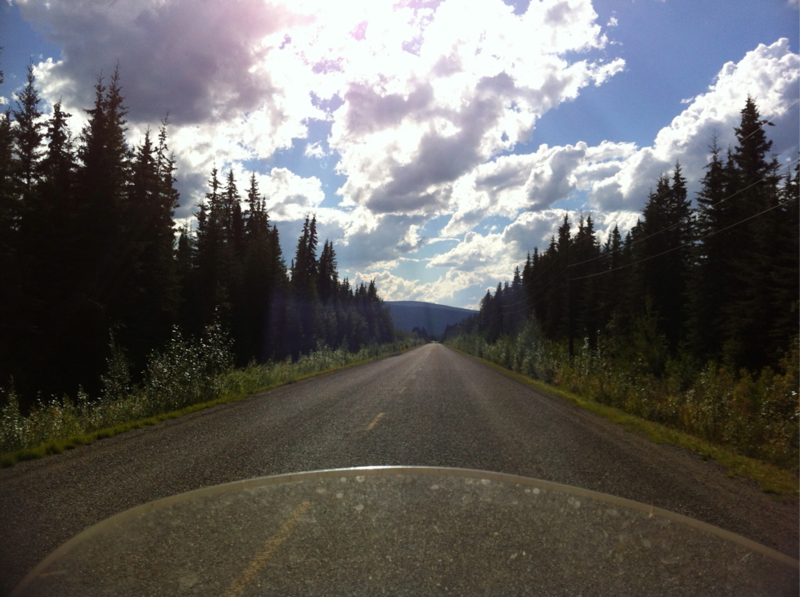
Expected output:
(535, 181)
(487, 255)
(476, 87)
(289, 196)
(442, 291)
(315, 150)
(770, 74)
(433, 97)
(430, 92)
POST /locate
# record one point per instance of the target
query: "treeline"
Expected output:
(90, 267)
(717, 282)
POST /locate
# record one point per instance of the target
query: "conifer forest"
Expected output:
(691, 319)
(92, 273)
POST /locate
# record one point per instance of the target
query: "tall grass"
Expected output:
(756, 414)
(185, 373)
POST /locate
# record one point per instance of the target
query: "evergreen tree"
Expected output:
(784, 297)
(755, 182)
(151, 286)
(665, 253)
(9, 298)
(99, 243)
(613, 287)
(713, 270)
(327, 277)
(586, 263)
(28, 135)
(212, 256)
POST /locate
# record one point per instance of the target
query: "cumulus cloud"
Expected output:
(535, 182)
(770, 74)
(370, 238)
(486, 255)
(474, 88)
(201, 60)
(443, 290)
(427, 102)
(428, 92)
(619, 176)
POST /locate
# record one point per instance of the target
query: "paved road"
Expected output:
(430, 406)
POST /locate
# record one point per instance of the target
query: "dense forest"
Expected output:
(715, 282)
(91, 268)
(690, 320)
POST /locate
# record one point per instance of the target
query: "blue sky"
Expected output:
(437, 141)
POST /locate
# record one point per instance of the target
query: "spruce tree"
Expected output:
(665, 253)
(99, 245)
(9, 217)
(755, 184)
(586, 263)
(28, 135)
(212, 256)
(151, 286)
(712, 275)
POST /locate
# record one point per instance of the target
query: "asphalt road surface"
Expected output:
(428, 407)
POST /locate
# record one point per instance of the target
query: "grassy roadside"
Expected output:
(776, 481)
(237, 385)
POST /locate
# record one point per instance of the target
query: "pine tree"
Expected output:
(755, 182)
(151, 286)
(212, 256)
(9, 217)
(713, 270)
(586, 263)
(665, 253)
(100, 250)
(28, 135)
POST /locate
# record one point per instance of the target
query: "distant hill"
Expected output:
(407, 315)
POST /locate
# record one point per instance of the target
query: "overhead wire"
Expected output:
(671, 226)
(638, 261)
(666, 229)
(684, 245)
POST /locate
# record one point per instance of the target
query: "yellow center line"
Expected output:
(374, 421)
(270, 547)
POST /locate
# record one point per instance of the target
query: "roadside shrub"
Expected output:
(183, 373)
(758, 415)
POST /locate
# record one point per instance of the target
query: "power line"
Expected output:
(657, 232)
(504, 308)
(766, 122)
(761, 213)
(685, 245)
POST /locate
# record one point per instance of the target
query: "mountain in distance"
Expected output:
(408, 315)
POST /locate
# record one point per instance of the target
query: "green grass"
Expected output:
(236, 385)
(774, 480)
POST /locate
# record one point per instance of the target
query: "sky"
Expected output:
(436, 141)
